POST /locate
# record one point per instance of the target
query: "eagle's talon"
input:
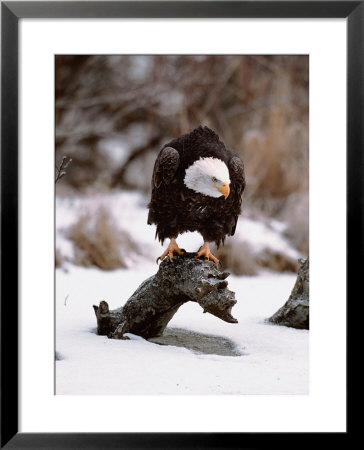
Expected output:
(172, 248)
(205, 252)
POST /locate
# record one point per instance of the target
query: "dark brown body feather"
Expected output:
(175, 209)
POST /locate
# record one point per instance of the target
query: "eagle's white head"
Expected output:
(208, 176)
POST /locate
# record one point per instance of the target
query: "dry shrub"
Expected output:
(297, 234)
(237, 257)
(59, 259)
(276, 162)
(277, 261)
(240, 259)
(296, 216)
(99, 242)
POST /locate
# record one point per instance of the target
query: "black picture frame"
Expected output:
(11, 12)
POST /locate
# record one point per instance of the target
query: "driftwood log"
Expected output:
(157, 299)
(295, 312)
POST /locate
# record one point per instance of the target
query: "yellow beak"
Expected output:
(224, 189)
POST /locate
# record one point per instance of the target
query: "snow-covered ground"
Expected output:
(272, 359)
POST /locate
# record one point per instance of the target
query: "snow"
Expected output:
(274, 359)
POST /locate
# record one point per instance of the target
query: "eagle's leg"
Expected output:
(172, 248)
(206, 253)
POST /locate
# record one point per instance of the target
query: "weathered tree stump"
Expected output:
(157, 299)
(295, 312)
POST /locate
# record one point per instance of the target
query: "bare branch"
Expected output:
(61, 170)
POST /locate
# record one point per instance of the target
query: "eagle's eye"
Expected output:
(214, 179)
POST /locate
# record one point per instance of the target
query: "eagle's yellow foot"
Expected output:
(206, 253)
(172, 248)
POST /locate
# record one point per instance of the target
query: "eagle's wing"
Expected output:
(165, 167)
(236, 169)
(237, 175)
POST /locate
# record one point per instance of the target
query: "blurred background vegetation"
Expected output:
(114, 113)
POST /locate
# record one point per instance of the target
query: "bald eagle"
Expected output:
(197, 185)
